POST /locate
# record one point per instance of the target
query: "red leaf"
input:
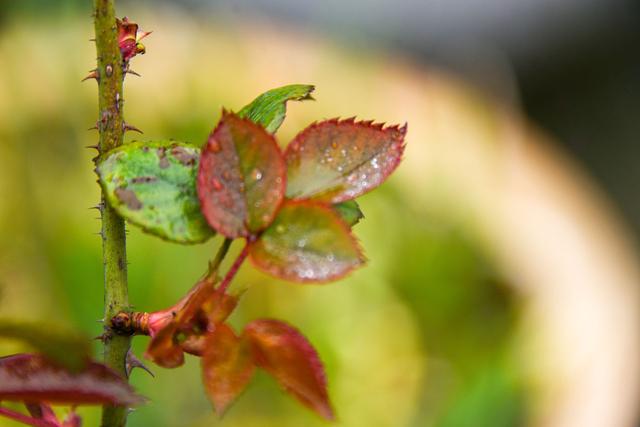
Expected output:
(32, 378)
(241, 180)
(227, 367)
(307, 242)
(285, 353)
(219, 307)
(128, 39)
(164, 349)
(196, 313)
(335, 160)
(44, 412)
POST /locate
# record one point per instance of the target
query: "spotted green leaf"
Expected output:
(152, 185)
(269, 109)
(307, 242)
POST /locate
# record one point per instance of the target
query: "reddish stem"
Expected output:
(25, 419)
(234, 269)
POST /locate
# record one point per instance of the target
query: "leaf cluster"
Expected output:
(295, 207)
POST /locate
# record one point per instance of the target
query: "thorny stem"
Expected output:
(234, 269)
(114, 256)
(24, 419)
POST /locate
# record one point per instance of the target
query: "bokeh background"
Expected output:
(502, 284)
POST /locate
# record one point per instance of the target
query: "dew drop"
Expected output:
(217, 185)
(256, 174)
(302, 243)
(334, 145)
(214, 146)
(280, 229)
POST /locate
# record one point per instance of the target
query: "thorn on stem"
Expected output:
(127, 127)
(130, 71)
(133, 362)
(93, 74)
(103, 338)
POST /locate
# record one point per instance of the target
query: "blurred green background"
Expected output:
(425, 335)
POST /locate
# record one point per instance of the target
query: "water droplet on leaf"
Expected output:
(214, 146)
(256, 174)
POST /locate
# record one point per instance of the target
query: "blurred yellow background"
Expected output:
(501, 288)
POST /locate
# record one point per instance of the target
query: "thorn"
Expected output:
(102, 338)
(93, 74)
(127, 127)
(92, 40)
(133, 362)
(130, 71)
(95, 147)
(100, 320)
(94, 127)
(143, 34)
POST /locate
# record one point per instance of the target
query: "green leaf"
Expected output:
(153, 185)
(242, 177)
(307, 242)
(67, 348)
(349, 211)
(269, 109)
(338, 160)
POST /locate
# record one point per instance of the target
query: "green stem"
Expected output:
(214, 265)
(114, 255)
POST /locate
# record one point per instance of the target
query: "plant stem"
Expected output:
(114, 255)
(214, 265)
(234, 269)
(24, 419)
